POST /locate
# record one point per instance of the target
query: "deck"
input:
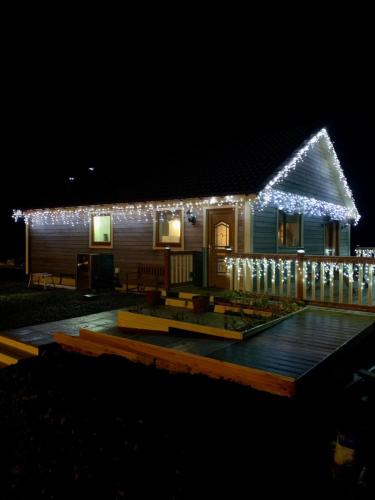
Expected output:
(286, 359)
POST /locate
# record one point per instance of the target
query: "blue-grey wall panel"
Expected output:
(345, 240)
(313, 235)
(265, 231)
(314, 177)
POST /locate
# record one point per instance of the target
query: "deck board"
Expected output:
(294, 348)
(298, 344)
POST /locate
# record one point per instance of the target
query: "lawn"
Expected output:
(21, 306)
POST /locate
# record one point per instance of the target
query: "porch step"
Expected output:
(184, 300)
(186, 304)
(11, 351)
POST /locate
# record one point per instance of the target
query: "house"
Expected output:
(275, 194)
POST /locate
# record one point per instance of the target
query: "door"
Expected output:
(331, 238)
(221, 225)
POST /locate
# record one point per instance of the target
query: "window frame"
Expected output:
(104, 244)
(157, 244)
(284, 216)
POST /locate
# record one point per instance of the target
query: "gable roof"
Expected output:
(257, 166)
(234, 168)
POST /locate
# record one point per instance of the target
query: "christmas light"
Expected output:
(293, 203)
(365, 252)
(269, 196)
(140, 212)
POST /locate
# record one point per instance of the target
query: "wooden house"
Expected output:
(276, 194)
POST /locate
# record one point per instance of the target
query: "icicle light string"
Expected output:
(263, 267)
(269, 196)
(292, 203)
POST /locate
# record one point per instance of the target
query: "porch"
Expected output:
(331, 281)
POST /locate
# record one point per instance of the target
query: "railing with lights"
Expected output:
(365, 251)
(181, 267)
(178, 267)
(347, 281)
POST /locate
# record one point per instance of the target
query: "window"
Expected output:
(101, 231)
(289, 230)
(221, 235)
(168, 229)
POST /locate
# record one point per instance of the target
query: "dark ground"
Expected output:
(21, 306)
(74, 427)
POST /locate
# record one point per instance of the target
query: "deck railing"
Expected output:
(365, 251)
(178, 267)
(347, 281)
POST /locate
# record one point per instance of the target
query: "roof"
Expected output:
(242, 167)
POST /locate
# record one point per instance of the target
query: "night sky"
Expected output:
(52, 135)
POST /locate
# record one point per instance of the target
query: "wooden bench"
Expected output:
(41, 279)
(145, 275)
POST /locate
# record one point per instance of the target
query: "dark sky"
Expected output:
(56, 130)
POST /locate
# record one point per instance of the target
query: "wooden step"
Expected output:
(185, 304)
(11, 351)
(20, 346)
(10, 355)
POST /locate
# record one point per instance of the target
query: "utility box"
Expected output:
(198, 269)
(94, 271)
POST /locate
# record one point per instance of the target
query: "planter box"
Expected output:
(224, 308)
(138, 322)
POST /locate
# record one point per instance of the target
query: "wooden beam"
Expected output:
(178, 361)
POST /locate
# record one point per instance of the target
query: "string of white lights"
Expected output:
(269, 196)
(140, 212)
(293, 203)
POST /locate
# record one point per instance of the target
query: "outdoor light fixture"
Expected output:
(191, 217)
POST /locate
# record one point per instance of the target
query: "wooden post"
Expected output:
(27, 249)
(299, 263)
(167, 269)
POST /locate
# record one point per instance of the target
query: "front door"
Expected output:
(331, 238)
(221, 223)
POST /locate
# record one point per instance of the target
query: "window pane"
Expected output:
(292, 234)
(101, 229)
(289, 230)
(169, 227)
(281, 231)
(221, 234)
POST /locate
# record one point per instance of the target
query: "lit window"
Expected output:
(168, 228)
(101, 231)
(221, 235)
(289, 230)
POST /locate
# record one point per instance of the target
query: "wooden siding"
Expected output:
(345, 240)
(265, 234)
(313, 235)
(265, 231)
(315, 177)
(241, 230)
(54, 247)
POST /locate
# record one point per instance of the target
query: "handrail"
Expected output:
(337, 279)
(318, 258)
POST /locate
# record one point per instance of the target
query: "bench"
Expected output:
(145, 275)
(41, 279)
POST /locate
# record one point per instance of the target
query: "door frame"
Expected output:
(206, 228)
(205, 236)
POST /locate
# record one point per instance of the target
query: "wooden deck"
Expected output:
(286, 359)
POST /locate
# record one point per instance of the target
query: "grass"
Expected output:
(21, 306)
